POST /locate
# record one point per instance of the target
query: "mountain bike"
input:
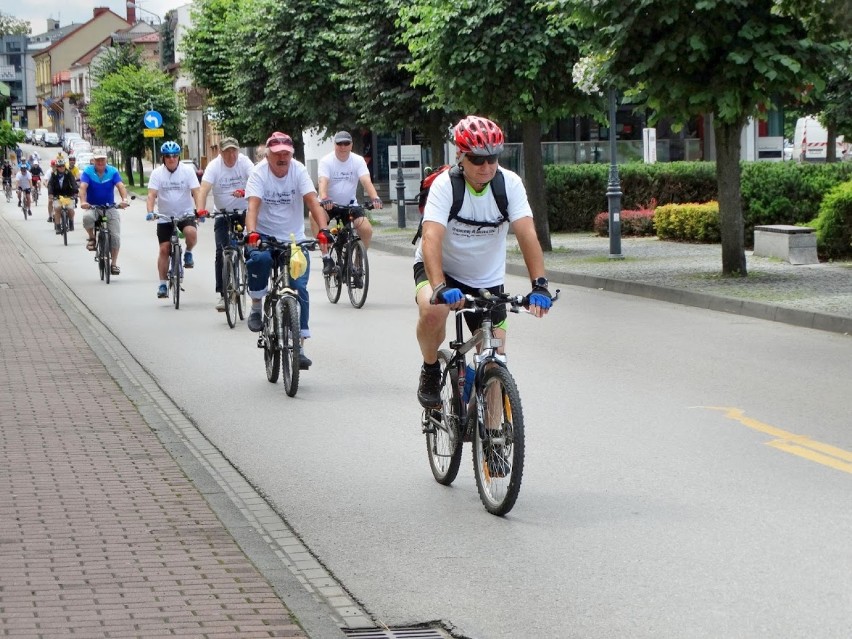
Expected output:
(175, 273)
(64, 204)
(348, 256)
(492, 419)
(36, 191)
(25, 202)
(280, 337)
(234, 274)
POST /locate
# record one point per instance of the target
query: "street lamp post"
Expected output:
(613, 191)
(400, 185)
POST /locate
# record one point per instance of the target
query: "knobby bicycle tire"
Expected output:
(271, 339)
(333, 281)
(443, 430)
(64, 217)
(291, 344)
(498, 441)
(357, 273)
(174, 278)
(229, 288)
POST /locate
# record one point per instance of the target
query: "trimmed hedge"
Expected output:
(633, 223)
(834, 224)
(772, 192)
(688, 222)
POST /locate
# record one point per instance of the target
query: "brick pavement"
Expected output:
(101, 534)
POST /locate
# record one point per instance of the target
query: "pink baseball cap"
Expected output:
(278, 142)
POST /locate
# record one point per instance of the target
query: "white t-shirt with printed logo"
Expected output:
(342, 177)
(174, 190)
(281, 199)
(474, 255)
(227, 179)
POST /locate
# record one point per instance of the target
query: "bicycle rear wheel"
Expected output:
(357, 273)
(241, 284)
(443, 431)
(291, 342)
(271, 337)
(498, 442)
(332, 282)
(35, 196)
(229, 288)
(174, 277)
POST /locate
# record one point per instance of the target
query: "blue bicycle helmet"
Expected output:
(170, 148)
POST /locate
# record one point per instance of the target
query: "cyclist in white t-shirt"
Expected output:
(339, 174)
(173, 187)
(226, 177)
(278, 189)
(464, 254)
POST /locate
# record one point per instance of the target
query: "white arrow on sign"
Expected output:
(153, 119)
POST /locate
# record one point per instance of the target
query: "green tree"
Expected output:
(504, 60)
(9, 137)
(116, 58)
(10, 25)
(116, 111)
(683, 59)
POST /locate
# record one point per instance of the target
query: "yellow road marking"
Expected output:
(792, 443)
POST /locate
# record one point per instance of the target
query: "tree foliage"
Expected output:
(114, 59)
(506, 60)
(10, 25)
(729, 58)
(9, 136)
(120, 101)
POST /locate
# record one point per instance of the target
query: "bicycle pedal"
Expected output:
(260, 343)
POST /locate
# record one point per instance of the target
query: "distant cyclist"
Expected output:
(62, 184)
(7, 173)
(226, 176)
(173, 187)
(97, 187)
(339, 174)
(24, 185)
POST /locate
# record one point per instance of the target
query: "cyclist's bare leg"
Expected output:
(365, 230)
(163, 260)
(431, 325)
(191, 235)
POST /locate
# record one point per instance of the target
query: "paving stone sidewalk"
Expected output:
(101, 533)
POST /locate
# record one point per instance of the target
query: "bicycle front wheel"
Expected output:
(64, 223)
(35, 196)
(175, 275)
(357, 273)
(106, 261)
(291, 344)
(498, 442)
(443, 431)
(229, 288)
(332, 281)
(242, 284)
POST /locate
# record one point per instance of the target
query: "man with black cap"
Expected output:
(339, 174)
(226, 176)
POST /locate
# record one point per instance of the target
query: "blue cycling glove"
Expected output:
(451, 295)
(541, 298)
(149, 217)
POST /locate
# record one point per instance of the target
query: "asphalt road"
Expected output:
(650, 506)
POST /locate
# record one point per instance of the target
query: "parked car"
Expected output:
(68, 139)
(84, 159)
(28, 136)
(38, 136)
(198, 172)
(79, 146)
(51, 138)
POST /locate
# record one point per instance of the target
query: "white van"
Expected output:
(811, 141)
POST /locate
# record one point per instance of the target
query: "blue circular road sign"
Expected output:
(153, 119)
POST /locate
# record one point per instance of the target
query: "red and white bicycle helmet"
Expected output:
(478, 136)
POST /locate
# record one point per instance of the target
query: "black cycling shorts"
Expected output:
(164, 231)
(473, 320)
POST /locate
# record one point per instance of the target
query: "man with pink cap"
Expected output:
(277, 188)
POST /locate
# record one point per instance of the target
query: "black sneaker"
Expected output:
(429, 393)
(58, 229)
(70, 225)
(327, 267)
(304, 362)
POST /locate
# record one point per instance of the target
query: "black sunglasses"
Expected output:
(166, 156)
(479, 160)
(343, 143)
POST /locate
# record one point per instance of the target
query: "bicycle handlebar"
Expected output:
(174, 218)
(485, 300)
(274, 243)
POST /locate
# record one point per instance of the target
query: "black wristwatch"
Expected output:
(540, 282)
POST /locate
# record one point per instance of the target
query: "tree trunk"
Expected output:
(730, 200)
(534, 181)
(831, 141)
(128, 168)
(436, 138)
(141, 169)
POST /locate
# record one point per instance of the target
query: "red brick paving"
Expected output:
(101, 534)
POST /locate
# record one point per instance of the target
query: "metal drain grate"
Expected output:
(395, 633)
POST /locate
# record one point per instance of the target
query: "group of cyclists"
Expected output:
(26, 183)
(456, 254)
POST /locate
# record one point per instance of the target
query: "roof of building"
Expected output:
(97, 15)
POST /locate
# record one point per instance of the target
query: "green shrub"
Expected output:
(633, 223)
(688, 222)
(834, 224)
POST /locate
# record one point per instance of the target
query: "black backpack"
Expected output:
(498, 189)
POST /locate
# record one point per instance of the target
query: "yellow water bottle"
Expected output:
(298, 263)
